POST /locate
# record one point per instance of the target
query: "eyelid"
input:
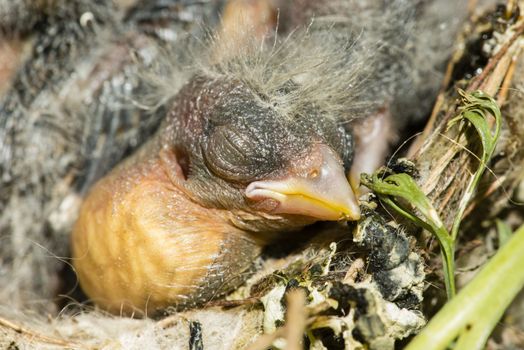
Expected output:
(226, 157)
(234, 145)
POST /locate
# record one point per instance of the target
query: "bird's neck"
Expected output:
(266, 228)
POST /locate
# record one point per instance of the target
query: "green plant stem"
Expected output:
(464, 203)
(470, 190)
(447, 245)
(447, 250)
(475, 311)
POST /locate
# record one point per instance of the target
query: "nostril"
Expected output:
(313, 173)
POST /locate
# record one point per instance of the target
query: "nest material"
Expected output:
(364, 293)
(320, 269)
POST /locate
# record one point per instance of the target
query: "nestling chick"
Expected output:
(257, 143)
(178, 222)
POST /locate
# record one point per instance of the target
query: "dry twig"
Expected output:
(26, 332)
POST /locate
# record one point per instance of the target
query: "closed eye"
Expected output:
(232, 155)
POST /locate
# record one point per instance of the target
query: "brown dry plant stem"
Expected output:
(450, 172)
(295, 326)
(444, 165)
(35, 336)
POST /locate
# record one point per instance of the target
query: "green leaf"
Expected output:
(476, 108)
(403, 186)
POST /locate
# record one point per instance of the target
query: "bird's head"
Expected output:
(237, 150)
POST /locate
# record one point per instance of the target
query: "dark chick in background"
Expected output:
(260, 131)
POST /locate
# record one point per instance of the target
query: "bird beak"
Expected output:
(324, 195)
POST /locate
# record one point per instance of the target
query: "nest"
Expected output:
(356, 285)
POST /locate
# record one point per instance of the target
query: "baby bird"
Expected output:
(258, 142)
(256, 132)
(181, 221)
